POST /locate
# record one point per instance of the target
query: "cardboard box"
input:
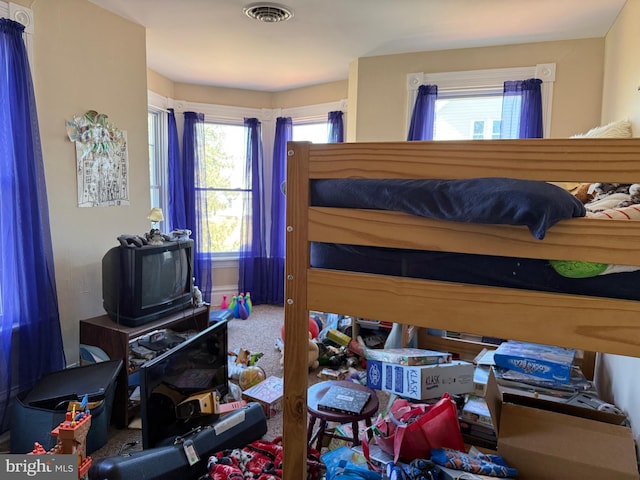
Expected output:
(408, 356)
(556, 441)
(267, 393)
(421, 382)
(543, 361)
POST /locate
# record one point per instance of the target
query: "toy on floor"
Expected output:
(241, 305)
(239, 360)
(313, 353)
(314, 329)
(251, 376)
(224, 305)
(72, 437)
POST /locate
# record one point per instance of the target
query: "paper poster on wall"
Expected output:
(102, 160)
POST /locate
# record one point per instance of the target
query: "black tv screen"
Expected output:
(196, 366)
(143, 284)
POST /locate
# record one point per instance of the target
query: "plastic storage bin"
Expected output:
(36, 412)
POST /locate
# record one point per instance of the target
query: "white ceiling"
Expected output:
(211, 42)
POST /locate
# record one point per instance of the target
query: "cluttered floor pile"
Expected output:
(442, 417)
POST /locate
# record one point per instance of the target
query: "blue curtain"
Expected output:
(30, 333)
(522, 109)
(275, 287)
(254, 263)
(424, 113)
(336, 127)
(195, 199)
(176, 216)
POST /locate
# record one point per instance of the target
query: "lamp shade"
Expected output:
(155, 215)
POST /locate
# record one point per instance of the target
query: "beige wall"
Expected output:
(379, 112)
(618, 376)
(235, 97)
(621, 92)
(86, 58)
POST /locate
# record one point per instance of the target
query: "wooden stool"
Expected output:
(316, 392)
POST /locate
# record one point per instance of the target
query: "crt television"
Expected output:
(197, 366)
(143, 284)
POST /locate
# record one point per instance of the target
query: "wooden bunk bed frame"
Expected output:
(587, 323)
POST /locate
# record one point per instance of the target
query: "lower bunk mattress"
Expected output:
(509, 272)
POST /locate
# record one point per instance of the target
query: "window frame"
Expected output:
(230, 255)
(479, 82)
(160, 160)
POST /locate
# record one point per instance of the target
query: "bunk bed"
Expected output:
(586, 322)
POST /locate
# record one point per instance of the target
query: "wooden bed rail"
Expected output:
(588, 323)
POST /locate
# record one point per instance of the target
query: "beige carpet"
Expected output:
(259, 333)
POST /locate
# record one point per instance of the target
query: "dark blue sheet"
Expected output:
(535, 204)
(524, 273)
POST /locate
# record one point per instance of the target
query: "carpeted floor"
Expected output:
(258, 333)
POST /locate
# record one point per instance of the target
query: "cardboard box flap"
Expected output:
(495, 396)
(560, 407)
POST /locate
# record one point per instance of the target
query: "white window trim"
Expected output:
(162, 148)
(24, 16)
(485, 79)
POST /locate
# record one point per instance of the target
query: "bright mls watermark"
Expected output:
(51, 467)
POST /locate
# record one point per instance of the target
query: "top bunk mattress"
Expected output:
(534, 204)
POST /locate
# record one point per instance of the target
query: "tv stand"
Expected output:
(114, 339)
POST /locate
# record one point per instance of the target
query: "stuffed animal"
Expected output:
(584, 193)
(313, 353)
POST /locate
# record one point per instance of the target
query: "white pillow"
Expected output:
(619, 129)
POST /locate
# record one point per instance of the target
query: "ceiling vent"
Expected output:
(268, 12)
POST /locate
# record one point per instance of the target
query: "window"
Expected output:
(464, 117)
(158, 158)
(311, 132)
(222, 180)
(469, 104)
(224, 184)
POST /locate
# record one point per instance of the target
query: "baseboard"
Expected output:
(218, 292)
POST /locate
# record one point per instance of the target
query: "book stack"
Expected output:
(476, 424)
(540, 371)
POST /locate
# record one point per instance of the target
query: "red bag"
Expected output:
(411, 430)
